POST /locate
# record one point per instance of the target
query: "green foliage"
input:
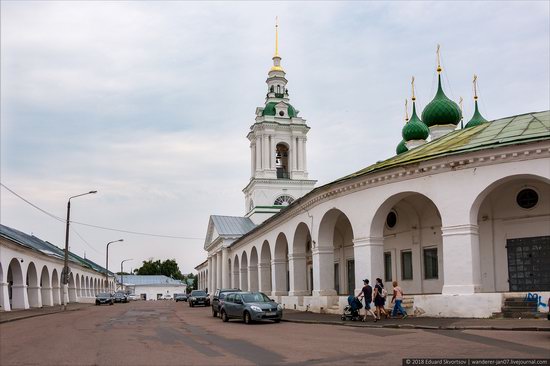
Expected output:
(167, 268)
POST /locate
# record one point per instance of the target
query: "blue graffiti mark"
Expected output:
(535, 297)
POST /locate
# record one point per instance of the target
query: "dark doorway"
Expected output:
(529, 263)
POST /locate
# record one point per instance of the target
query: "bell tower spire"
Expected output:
(278, 149)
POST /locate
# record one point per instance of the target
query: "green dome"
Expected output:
(401, 148)
(415, 129)
(441, 110)
(477, 118)
(269, 109)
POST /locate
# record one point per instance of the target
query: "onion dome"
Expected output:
(415, 129)
(441, 110)
(401, 148)
(269, 110)
(477, 118)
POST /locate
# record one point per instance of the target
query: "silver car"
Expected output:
(250, 307)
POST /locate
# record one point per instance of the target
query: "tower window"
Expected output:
(281, 113)
(527, 198)
(278, 89)
(283, 200)
(281, 161)
(391, 220)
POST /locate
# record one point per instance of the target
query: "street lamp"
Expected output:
(122, 273)
(65, 275)
(107, 259)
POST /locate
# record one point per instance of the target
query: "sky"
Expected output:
(149, 103)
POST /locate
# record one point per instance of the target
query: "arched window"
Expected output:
(283, 200)
(278, 89)
(281, 161)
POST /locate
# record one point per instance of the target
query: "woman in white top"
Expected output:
(398, 298)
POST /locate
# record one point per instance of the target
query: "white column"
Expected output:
(278, 275)
(461, 259)
(244, 279)
(304, 154)
(298, 275)
(220, 269)
(300, 155)
(272, 152)
(264, 275)
(265, 146)
(19, 299)
(292, 157)
(236, 281)
(4, 297)
(252, 159)
(209, 276)
(226, 280)
(323, 271)
(253, 278)
(35, 296)
(369, 260)
(258, 153)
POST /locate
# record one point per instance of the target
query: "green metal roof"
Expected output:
(269, 109)
(506, 131)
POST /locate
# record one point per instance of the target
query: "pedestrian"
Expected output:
(366, 293)
(380, 295)
(398, 298)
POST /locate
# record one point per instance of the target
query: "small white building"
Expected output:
(153, 287)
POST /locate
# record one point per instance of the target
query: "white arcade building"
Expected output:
(459, 217)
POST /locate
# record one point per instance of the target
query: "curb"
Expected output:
(425, 327)
(36, 315)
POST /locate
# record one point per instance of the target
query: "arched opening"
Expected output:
(253, 270)
(236, 273)
(4, 296)
(82, 287)
(78, 285)
(281, 161)
(244, 272)
(56, 288)
(301, 262)
(409, 225)
(33, 287)
(264, 269)
(46, 287)
(336, 255)
(513, 216)
(280, 266)
(17, 291)
(72, 288)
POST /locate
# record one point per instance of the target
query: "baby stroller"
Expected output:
(351, 311)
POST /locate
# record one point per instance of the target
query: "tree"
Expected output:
(167, 268)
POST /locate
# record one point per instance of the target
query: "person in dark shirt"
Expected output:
(366, 293)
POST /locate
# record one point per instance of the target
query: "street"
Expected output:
(170, 333)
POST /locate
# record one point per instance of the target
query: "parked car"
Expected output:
(250, 307)
(167, 297)
(180, 297)
(103, 298)
(133, 297)
(198, 297)
(120, 297)
(218, 297)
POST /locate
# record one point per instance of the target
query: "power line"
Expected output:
(97, 226)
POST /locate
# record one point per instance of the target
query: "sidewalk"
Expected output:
(422, 322)
(9, 316)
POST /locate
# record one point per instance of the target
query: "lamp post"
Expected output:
(122, 273)
(107, 259)
(65, 276)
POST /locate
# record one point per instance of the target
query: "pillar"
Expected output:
(258, 154)
(253, 278)
(272, 153)
(323, 271)
(298, 276)
(304, 153)
(19, 299)
(300, 154)
(252, 159)
(265, 152)
(209, 276)
(292, 154)
(244, 279)
(264, 274)
(35, 296)
(219, 273)
(4, 297)
(461, 259)
(368, 254)
(226, 280)
(278, 274)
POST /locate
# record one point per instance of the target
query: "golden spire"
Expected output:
(276, 37)
(439, 69)
(406, 110)
(412, 87)
(475, 87)
(460, 101)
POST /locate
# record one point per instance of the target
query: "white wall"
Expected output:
(151, 291)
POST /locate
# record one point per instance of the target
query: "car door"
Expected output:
(228, 304)
(238, 306)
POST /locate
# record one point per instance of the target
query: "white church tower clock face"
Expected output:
(278, 169)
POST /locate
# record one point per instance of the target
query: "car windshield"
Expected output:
(103, 294)
(255, 297)
(198, 293)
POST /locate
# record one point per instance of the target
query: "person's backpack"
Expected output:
(384, 293)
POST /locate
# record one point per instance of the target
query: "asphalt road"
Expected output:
(169, 333)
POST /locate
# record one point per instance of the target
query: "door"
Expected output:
(337, 277)
(351, 276)
(529, 263)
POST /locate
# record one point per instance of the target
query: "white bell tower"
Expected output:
(278, 150)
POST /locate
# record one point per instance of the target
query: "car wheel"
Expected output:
(214, 313)
(277, 320)
(111, 303)
(97, 303)
(247, 318)
(225, 318)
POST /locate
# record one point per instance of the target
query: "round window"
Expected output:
(527, 198)
(391, 220)
(281, 113)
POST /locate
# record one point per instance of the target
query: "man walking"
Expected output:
(398, 298)
(366, 293)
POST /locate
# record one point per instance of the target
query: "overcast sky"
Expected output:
(150, 102)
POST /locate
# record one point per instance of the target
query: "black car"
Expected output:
(103, 298)
(217, 299)
(180, 297)
(120, 297)
(198, 297)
